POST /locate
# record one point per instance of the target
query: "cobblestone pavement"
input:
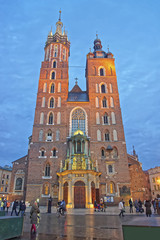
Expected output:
(84, 224)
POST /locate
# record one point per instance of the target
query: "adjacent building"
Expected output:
(5, 179)
(154, 177)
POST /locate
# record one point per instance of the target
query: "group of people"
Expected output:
(17, 207)
(99, 206)
(139, 206)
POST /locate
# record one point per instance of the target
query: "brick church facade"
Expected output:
(77, 151)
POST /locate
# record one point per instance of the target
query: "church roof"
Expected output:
(77, 95)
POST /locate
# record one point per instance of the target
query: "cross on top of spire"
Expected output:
(76, 81)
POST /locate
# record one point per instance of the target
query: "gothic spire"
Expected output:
(59, 24)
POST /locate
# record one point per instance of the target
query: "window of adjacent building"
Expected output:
(41, 135)
(54, 152)
(51, 103)
(111, 102)
(6, 189)
(2, 181)
(103, 89)
(155, 187)
(113, 117)
(98, 135)
(49, 136)
(43, 102)
(54, 64)
(18, 185)
(1, 189)
(104, 102)
(97, 118)
(153, 180)
(47, 170)
(50, 119)
(53, 75)
(115, 137)
(52, 88)
(78, 120)
(41, 118)
(105, 119)
(45, 87)
(106, 136)
(7, 176)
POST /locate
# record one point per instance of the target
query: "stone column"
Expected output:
(60, 195)
(70, 194)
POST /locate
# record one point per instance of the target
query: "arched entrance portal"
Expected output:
(65, 192)
(79, 195)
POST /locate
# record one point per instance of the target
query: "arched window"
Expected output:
(78, 120)
(54, 153)
(98, 135)
(101, 71)
(51, 103)
(18, 185)
(97, 118)
(59, 102)
(55, 51)
(106, 136)
(41, 135)
(115, 138)
(103, 89)
(104, 102)
(58, 118)
(110, 169)
(111, 102)
(102, 153)
(41, 118)
(97, 102)
(57, 135)
(43, 102)
(53, 75)
(50, 120)
(45, 87)
(52, 88)
(105, 119)
(54, 64)
(47, 170)
(59, 87)
(113, 118)
(42, 152)
(49, 136)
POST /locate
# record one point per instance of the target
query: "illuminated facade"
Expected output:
(154, 177)
(78, 150)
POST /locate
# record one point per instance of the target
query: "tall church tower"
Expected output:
(47, 147)
(78, 150)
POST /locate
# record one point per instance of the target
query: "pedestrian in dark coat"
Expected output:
(14, 208)
(33, 215)
(49, 204)
(148, 208)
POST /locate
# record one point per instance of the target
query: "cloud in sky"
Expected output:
(131, 30)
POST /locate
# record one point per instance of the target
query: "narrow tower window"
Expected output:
(47, 170)
(53, 75)
(50, 120)
(105, 119)
(54, 64)
(52, 88)
(104, 102)
(103, 90)
(54, 152)
(51, 104)
(106, 136)
(101, 71)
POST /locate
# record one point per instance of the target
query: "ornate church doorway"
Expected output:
(79, 195)
(65, 192)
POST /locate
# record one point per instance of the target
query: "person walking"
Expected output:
(14, 208)
(49, 205)
(2, 204)
(33, 215)
(148, 208)
(8, 205)
(22, 208)
(121, 208)
(131, 205)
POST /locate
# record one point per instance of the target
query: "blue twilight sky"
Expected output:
(130, 28)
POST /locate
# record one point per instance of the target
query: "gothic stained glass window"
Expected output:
(78, 120)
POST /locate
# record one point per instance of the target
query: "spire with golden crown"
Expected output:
(59, 24)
